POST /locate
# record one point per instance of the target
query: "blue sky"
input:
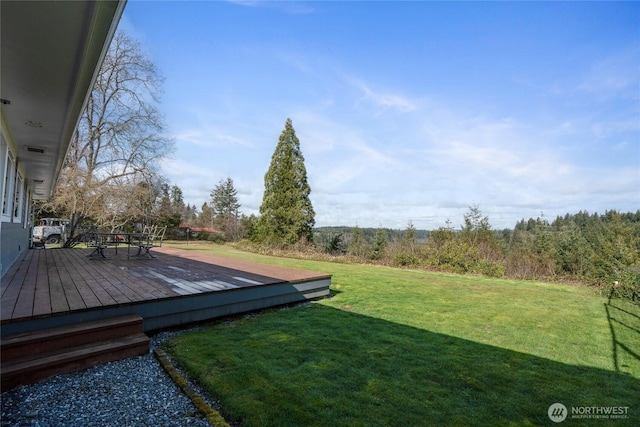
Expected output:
(405, 111)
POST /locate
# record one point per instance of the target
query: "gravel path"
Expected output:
(131, 392)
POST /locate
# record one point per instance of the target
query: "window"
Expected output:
(17, 199)
(7, 199)
(25, 208)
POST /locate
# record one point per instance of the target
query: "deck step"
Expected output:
(48, 340)
(29, 358)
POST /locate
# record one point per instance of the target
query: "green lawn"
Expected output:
(400, 347)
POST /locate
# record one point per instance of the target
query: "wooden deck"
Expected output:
(56, 287)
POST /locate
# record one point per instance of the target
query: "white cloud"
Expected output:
(288, 7)
(381, 99)
(208, 138)
(339, 155)
(615, 75)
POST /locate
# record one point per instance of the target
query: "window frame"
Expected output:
(17, 196)
(8, 180)
(26, 207)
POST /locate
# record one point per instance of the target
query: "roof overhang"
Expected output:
(50, 54)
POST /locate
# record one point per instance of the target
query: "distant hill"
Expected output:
(323, 233)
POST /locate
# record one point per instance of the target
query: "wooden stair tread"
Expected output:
(75, 329)
(74, 353)
(31, 357)
(31, 345)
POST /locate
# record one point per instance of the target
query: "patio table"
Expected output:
(144, 240)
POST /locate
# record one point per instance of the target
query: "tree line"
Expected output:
(596, 249)
(601, 250)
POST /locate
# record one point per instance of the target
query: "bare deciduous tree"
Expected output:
(113, 157)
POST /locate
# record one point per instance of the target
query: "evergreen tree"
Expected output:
(171, 206)
(287, 215)
(177, 201)
(358, 245)
(189, 214)
(379, 244)
(225, 205)
(164, 201)
(205, 219)
(409, 238)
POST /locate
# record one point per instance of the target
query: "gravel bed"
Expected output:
(131, 392)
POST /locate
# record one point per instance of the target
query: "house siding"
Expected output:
(14, 239)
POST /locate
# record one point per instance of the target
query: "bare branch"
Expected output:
(113, 157)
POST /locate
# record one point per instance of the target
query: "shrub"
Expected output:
(405, 259)
(627, 285)
(336, 245)
(490, 269)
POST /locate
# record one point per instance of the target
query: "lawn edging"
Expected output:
(213, 416)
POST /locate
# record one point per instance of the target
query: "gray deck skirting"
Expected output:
(176, 311)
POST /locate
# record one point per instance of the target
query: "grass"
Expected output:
(406, 347)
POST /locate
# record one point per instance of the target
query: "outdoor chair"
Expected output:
(151, 237)
(96, 241)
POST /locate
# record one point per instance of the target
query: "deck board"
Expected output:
(26, 297)
(109, 279)
(12, 285)
(42, 302)
(26, 288)
(59, 301)
(16, 273)
(89, 297)
(71, 291)
(96, 280)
